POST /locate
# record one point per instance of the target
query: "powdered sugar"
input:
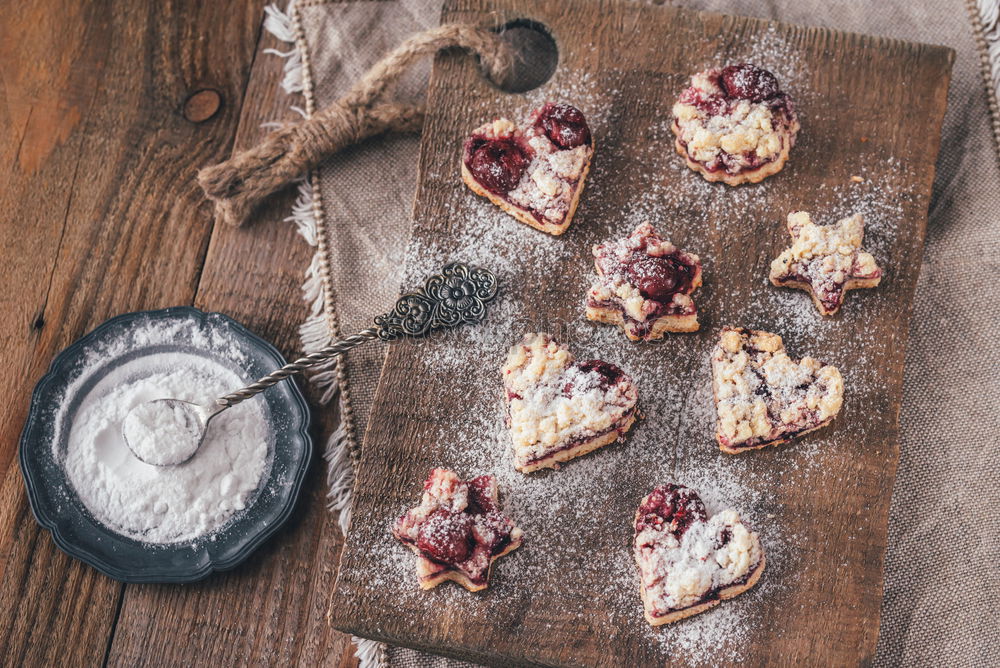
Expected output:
(162, 432)
(150, 503)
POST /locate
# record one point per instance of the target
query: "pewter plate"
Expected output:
(74, 529)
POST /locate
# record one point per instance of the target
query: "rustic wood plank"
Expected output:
(272, 610)
(869, 105)
(101, 215)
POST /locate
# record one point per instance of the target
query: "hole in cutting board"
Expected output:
(536, 55)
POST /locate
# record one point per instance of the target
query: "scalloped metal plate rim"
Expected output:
(156, 566)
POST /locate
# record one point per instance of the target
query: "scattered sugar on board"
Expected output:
(674, 442)
(575, 495)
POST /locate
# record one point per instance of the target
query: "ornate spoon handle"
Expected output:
(298, 366)
(458, 295)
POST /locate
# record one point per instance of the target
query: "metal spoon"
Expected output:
(458, 295)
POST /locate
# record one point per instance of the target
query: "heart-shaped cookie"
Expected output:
(558, 409)
(688, 562)
(763, 397)
(534, 172)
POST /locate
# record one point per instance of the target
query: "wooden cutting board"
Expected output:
(871, 108)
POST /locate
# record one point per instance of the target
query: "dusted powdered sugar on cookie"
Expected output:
(552, 175)
(688, 561)
(734, 124)
(457, 531)
(762, 396)
(559, 409)
(536, 172)
(826, 261)
(644, 285)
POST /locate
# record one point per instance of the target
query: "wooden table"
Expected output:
(102, 127)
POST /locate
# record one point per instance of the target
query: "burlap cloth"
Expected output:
(941, 582)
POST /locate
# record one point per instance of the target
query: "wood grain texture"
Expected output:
(99, 217)
(868, 105)
(42, 151)
(271, 610)
(106, 112)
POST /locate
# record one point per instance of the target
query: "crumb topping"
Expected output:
(554, 402)
(725, 129)
(684, 557)
(645, 277)
(826, 258)
(762, 395)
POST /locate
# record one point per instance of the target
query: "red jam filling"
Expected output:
(830, 293)
(659, 278)
(497, 164)
(609, 374)
(713, 105)
(577, 440)
(446, 536)
(465, 540)
(644, 327)
(733, 163)
(723, 539)
(831, 301)
(564, 125)
(480, 499)
(857, 273)
(748, 82)
(670, 507)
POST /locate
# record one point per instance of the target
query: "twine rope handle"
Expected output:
(238, 185)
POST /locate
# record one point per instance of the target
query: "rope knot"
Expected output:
(239, 184)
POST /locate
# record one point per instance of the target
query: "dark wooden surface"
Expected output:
(868, 104)
(106, 112)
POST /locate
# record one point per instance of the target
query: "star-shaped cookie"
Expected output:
(825, 260)
(644, 285)
(457, 531)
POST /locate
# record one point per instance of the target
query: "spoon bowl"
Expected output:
(166, 432)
